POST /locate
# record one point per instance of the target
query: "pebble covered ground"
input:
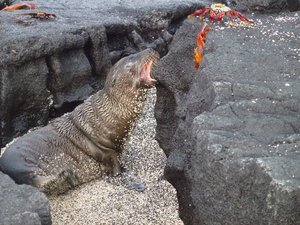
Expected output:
(109, 201)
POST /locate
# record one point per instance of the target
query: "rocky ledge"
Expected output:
(231, 130)
(22, 204)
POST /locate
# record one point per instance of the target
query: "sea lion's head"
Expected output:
(132, 72)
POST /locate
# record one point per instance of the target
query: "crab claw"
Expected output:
(220, 16)
(212, 16)
(201, 37)
(200, 12)
(229, 15)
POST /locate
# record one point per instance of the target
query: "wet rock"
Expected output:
(22, 204)
(96, 50)
(69, 77)
(231, 135)
(22, 87)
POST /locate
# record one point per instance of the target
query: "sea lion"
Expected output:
(81, 145)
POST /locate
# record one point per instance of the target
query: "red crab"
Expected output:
(201, 38)
(19, 6)
(41, 15)
(219, 10)
(38, 15)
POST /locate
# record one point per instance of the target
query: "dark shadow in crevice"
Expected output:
(66, 107)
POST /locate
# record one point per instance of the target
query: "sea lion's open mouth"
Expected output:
(145, 75)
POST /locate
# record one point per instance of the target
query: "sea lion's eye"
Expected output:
(132, 71)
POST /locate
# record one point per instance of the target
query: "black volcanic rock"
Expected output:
(231, 130)
(293, 5)
(22, 204)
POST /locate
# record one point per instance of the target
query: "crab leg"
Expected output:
(212, 16)
(201, 12)
(220, 16)
(242, 17)
(38, 15)
(19, 6)
(201, 38)
(230, 18)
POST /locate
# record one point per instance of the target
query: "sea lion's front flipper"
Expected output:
(111, 163)
(57, 184)
(126, 179)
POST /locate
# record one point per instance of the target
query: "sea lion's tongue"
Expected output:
(145, 75)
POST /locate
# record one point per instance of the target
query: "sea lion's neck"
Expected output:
(121, 113)
(129, 103)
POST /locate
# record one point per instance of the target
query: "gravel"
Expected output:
(110, 201)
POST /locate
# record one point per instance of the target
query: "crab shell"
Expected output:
(219, 8)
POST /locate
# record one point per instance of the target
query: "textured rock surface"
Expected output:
(22, 87)
(269, 5)
(231, 130)
(22, 204)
